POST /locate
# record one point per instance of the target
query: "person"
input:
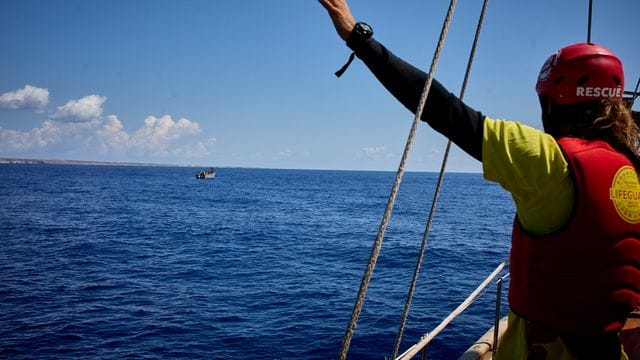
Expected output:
(575, 247)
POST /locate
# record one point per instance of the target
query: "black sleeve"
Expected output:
(444, 111)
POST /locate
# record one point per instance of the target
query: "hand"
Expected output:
(340, 15)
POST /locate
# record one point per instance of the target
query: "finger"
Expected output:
(329, 5)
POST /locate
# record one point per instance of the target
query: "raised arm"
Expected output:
(444, 111)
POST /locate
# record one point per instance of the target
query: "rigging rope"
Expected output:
(634, 95)
(589, 21)
(423, 246)
(375, 251)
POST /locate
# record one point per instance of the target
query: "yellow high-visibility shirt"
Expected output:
(530, 165)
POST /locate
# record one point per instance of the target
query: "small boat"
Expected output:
(206, 174)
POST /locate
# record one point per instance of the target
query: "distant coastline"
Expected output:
(28, 161)
(81, 162)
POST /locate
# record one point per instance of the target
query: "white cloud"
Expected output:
(375, 153)
(37, 138)
(157, 139)
(157, 134)
(195, 150)
(29, 97)
(374, 150)
(82, 110)
(112, 135)
(78, 128)
(290, 154)
(286, 153)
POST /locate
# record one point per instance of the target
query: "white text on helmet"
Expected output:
(599, 91)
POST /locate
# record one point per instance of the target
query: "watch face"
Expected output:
(361, 31)
(364, 28)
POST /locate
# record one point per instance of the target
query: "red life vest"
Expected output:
(584, 278)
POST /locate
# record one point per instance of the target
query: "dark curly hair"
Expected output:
(607, 119)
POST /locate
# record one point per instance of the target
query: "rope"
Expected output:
(635, 94)
(412, 351)
(423, 247)
(375, 251)
(589, 21)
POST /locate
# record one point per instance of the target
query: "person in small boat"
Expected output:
(575, 247)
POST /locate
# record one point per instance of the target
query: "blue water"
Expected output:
(148, 262)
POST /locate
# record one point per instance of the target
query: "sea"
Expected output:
(140, 262)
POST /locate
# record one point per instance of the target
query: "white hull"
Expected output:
(206, 174)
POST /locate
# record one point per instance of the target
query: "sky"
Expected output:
(249, 83)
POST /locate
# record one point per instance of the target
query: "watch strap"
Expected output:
(360, 33)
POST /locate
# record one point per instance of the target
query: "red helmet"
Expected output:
(579, 73)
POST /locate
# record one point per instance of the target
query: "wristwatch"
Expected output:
(361, 32)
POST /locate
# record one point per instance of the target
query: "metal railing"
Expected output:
(421, 346)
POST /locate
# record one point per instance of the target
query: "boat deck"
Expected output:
(629, 336)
